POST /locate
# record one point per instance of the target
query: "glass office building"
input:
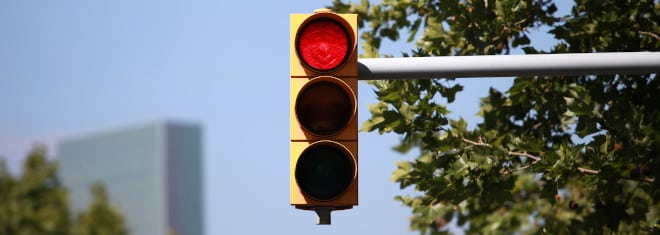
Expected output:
(152, 174)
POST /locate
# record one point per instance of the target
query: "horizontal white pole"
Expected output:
(509, 65)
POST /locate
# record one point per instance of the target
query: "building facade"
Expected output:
(153, 174)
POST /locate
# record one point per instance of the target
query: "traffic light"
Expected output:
(323, 112)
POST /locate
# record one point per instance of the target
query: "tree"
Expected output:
(37, 203)
(100, 218)
(574, 154)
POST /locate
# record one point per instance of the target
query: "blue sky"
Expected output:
(70, 68)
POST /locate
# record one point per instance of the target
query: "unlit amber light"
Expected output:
(324, 108)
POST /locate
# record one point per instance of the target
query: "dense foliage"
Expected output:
(100, 217)
(559, 155)
(37, 203)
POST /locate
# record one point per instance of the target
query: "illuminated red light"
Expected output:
(323, 44)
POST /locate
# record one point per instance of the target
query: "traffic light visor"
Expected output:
(324, 43)
(325, 170)
(325, 106)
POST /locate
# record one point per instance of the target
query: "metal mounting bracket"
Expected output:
(323, 214)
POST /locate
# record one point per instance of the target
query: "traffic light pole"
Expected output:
(509, 65)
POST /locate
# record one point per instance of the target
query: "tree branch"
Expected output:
(523, 154)
(649, 34)
(586, 170)
(593, 172)
(648, 179)
(527, 155)
(480, 143)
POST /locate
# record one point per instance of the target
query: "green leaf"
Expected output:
(402, 170)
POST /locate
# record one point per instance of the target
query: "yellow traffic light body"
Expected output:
(323, 111)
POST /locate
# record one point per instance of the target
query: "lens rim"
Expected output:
(346, 153)
(348, 91)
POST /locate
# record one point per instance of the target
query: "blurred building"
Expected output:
(153, 174)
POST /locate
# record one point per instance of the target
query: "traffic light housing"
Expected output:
(323, 111)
